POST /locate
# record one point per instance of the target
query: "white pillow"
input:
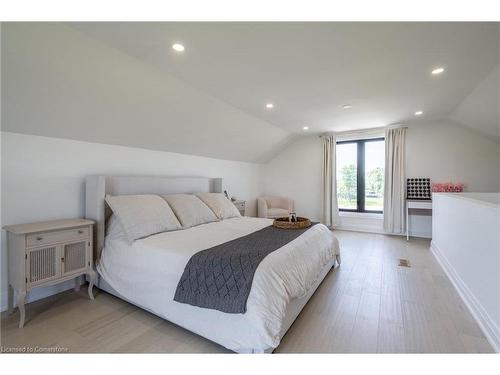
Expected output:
(190, 210)
(142, 215)
(222, 207)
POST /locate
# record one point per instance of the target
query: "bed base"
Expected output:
(293, 310)
(98, 186)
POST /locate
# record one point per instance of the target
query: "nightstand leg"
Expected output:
(10, 302)
(92, 276)
(21, 296)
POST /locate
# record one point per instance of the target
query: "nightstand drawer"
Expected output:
(48, 238)
(240, 206)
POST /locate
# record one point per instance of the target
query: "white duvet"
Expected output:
(147, 272)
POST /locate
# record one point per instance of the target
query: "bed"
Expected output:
(147, 271)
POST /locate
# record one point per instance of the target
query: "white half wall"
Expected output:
(466, 242)
(43, 179)
(443, 151)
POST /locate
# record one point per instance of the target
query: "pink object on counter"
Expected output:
(447, 187)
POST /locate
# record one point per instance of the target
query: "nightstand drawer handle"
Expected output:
(39, 238)
(80, 231)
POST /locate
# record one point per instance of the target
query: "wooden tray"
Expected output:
(283, 223)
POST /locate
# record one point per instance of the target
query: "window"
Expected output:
(360, 175)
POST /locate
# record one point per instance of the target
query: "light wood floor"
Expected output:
(369, 304)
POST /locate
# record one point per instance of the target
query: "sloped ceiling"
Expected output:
(121, 83)
(310, 70)
(57, 82)
(480, 110)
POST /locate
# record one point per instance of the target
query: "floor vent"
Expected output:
(404, 263)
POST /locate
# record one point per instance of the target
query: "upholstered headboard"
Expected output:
(96, 188)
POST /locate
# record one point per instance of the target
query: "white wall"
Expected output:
(296, 173)
(447, 152)
(442, 151)
(43, 179)
(466, 242)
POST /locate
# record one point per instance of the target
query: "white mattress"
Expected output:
(147, 272)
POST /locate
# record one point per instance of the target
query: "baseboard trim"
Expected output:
(483, 319)
(378, 231)
(358, 229)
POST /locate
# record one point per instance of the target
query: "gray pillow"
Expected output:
(142, 215)
(190, 210)
(222, 207)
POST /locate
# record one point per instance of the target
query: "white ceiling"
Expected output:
(309, 70)
(121, 83)
(57, 82)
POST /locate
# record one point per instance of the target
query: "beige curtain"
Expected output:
(394, 192)
(330, 206)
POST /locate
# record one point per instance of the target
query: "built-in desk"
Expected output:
(417, 207)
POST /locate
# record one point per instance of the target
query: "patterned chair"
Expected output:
(273, 207)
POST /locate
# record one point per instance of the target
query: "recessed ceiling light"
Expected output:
(178, 47)
(305, 128)
(347, 106)
(269, 105)
(437, 71)
(418, 113)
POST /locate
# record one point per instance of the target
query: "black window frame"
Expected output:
(360, 176)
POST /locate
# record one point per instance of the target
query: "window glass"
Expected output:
(347, 175)
(374, 175)
(370, 165)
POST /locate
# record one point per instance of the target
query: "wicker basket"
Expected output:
(284, 223)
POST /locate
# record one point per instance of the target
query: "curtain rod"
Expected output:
(358, 131)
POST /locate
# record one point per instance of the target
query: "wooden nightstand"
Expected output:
(47, 253)
(240, 205)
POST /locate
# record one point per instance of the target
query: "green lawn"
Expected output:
(373, 204)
